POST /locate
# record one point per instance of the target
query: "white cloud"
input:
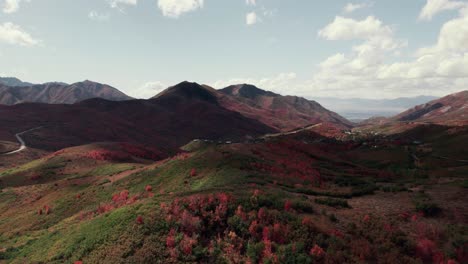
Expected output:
(377, 36)
(14, 34)
(371, 69)
(12, 6)
(434, 7)
(94, 15)
(251, 18)
(351, 7)
(119, 4)
(175, 8)
(251, 2)
(148, 90)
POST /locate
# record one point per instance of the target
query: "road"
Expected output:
(21, 141)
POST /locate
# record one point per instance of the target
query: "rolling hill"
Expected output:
(59, 93)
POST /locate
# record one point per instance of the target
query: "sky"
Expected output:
(359, 49)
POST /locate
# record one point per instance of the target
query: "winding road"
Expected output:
(21, 141)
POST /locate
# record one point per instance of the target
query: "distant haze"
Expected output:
(359, 109)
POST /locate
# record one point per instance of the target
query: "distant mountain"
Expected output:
(11, 81)
(280, 112)
(168, 121)
(59, 93)
(449, 110)
(359, 109)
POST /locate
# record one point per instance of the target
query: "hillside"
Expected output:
(180, 114)
(449, 110)
(299, 198)
(284, 113)
(59, 93)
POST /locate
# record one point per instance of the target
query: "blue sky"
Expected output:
(366, 49)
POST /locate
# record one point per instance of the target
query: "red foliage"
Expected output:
(108, 155)
(118, 200)
(197, 209)
(186, 244)
(121, 197)
(279, 233)
(425, 249)
(317, 251)
(366, 218)
(141, 152)
(170, 240)
(337, 233)
(47, 209)
(287, 206)
(253, 228)
(78, 262)
(189, 223)
(193, 172)
(261, 215)
(139, 220)
(298, 166)
(148, 188)
(266, 233)
(256, 193)
(240, 213)
(268, 253)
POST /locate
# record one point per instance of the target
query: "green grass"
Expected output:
(45, 168)
(74, 240)
(111, 169)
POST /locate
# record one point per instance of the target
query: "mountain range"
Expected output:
(168, 120)
(87, 112)
(57, 93)
(171, 119)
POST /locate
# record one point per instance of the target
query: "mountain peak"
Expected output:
(13, 82)
(247, 91)
(189, 90)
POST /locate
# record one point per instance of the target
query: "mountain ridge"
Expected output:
(281, 112)
(59, 93)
